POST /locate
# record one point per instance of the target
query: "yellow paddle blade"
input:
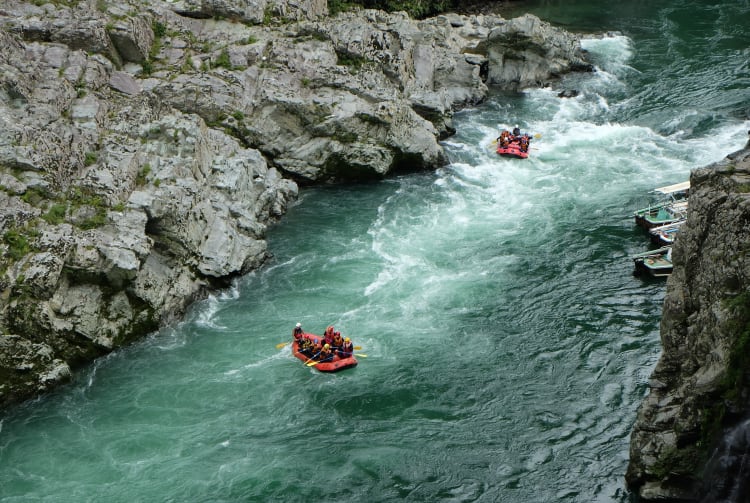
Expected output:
(312, 364)
(359, 354)
(281, 345)
(538, 135)
(357, 347)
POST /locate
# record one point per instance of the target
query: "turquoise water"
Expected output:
(507, 343)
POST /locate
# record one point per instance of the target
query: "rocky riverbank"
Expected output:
(145, 147)
(699, 390)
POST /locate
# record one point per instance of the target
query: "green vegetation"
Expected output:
(160, 29)
(80, 197)
(141, 178)
(148, 67)
(59, 3)
(80, 89)
(34, 196)
(223, 60)
(268, 15)
(251, 40)
(353, 61)
(418, 9)
(96, 220)
(90, 158)
(18, 245)
(56, 214)
(187, 65)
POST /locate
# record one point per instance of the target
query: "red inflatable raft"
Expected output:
(334, 365)
(512, 150)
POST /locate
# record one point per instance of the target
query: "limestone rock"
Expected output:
(527, 52)
(698, 386)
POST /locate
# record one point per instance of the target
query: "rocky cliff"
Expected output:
(145, 146)
(699, 389)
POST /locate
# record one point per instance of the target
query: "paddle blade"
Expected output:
(357, 347)
(312, 364)
(538, 135)
(281, 345)
(360, 354)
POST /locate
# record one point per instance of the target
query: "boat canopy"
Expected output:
(671, 189)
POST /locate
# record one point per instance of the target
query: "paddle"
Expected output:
(312, 364)
(310, 360)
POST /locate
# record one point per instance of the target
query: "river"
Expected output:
(505, 343)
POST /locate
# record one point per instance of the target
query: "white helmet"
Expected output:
(299, 325)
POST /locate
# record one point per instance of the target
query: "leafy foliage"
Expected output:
(418, 9)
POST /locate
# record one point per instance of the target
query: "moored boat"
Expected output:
(664, 235)
(336, 364)
(656, 263)
(671, 207)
